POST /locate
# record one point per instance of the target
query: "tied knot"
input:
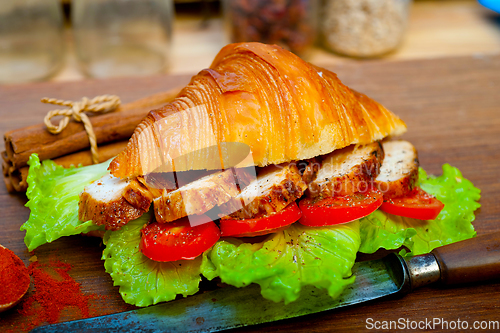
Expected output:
(76, 110)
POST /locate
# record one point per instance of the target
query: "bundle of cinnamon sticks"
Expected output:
(71, 146)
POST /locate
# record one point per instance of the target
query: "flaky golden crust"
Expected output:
(283, 108)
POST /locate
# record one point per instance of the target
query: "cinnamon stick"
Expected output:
(21, 143)
(70, 147)
(8, 184)
(18, 177)
(5, 164)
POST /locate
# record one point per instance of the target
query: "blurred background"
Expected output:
(68, 40)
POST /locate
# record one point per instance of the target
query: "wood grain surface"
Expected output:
(452, 109)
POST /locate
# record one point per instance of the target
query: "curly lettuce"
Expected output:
(288, 260)
(143, 281)
(282, 264)
(453, 224)
(53, 200)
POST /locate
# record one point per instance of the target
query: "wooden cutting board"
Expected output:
(452, 109)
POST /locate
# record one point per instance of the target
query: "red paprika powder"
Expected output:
(54, 291)
(14, 277)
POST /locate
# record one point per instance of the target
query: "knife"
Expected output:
(472, 260)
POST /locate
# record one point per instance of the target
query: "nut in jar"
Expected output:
(364, 28)
(288, 23)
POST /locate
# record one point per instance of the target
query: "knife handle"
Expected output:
(472, 260)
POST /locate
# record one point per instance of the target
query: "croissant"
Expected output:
(281, 107)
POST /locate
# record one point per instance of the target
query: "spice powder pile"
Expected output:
(54, 291)
(14, 277)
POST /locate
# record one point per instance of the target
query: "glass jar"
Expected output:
(116, 38)
(288, 23)
(31, 40)
(364, 28)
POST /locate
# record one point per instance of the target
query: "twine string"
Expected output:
(76, 110)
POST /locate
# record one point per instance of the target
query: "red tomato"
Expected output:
(262, 225)
(177, 240)
(339, 209)
(418, 204)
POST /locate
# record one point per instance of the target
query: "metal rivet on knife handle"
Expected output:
(423, 270)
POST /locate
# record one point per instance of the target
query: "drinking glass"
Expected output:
(31, 40)
(122, 37)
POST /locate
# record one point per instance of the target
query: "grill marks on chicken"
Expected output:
(112, 202)
(309, 169)
(196, 197)
(274, 188)
(347, 171)
(399, 172)
(392, 166)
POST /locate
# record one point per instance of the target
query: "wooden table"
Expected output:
(452, 109)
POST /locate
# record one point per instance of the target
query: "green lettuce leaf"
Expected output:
(453, 224)
(282, 265)
(143, 281)
(288, 260)
(53, 200)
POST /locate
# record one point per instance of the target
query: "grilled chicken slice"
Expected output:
(113, 202)
(399, 172)
(274, 188)
(347, 171)
(155, 190)
(197, 197)
(309, 169)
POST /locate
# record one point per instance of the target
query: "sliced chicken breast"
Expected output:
(399, 172)
(309, 169)
(274, 188)
(113, 202)
(197, 197)
(347, 171)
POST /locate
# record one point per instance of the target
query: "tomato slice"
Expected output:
(262, 225)
(418, 204)
(339, 209)
(177, 240)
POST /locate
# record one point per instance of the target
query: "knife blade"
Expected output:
(226, 308)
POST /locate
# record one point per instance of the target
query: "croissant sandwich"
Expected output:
(264, 169)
